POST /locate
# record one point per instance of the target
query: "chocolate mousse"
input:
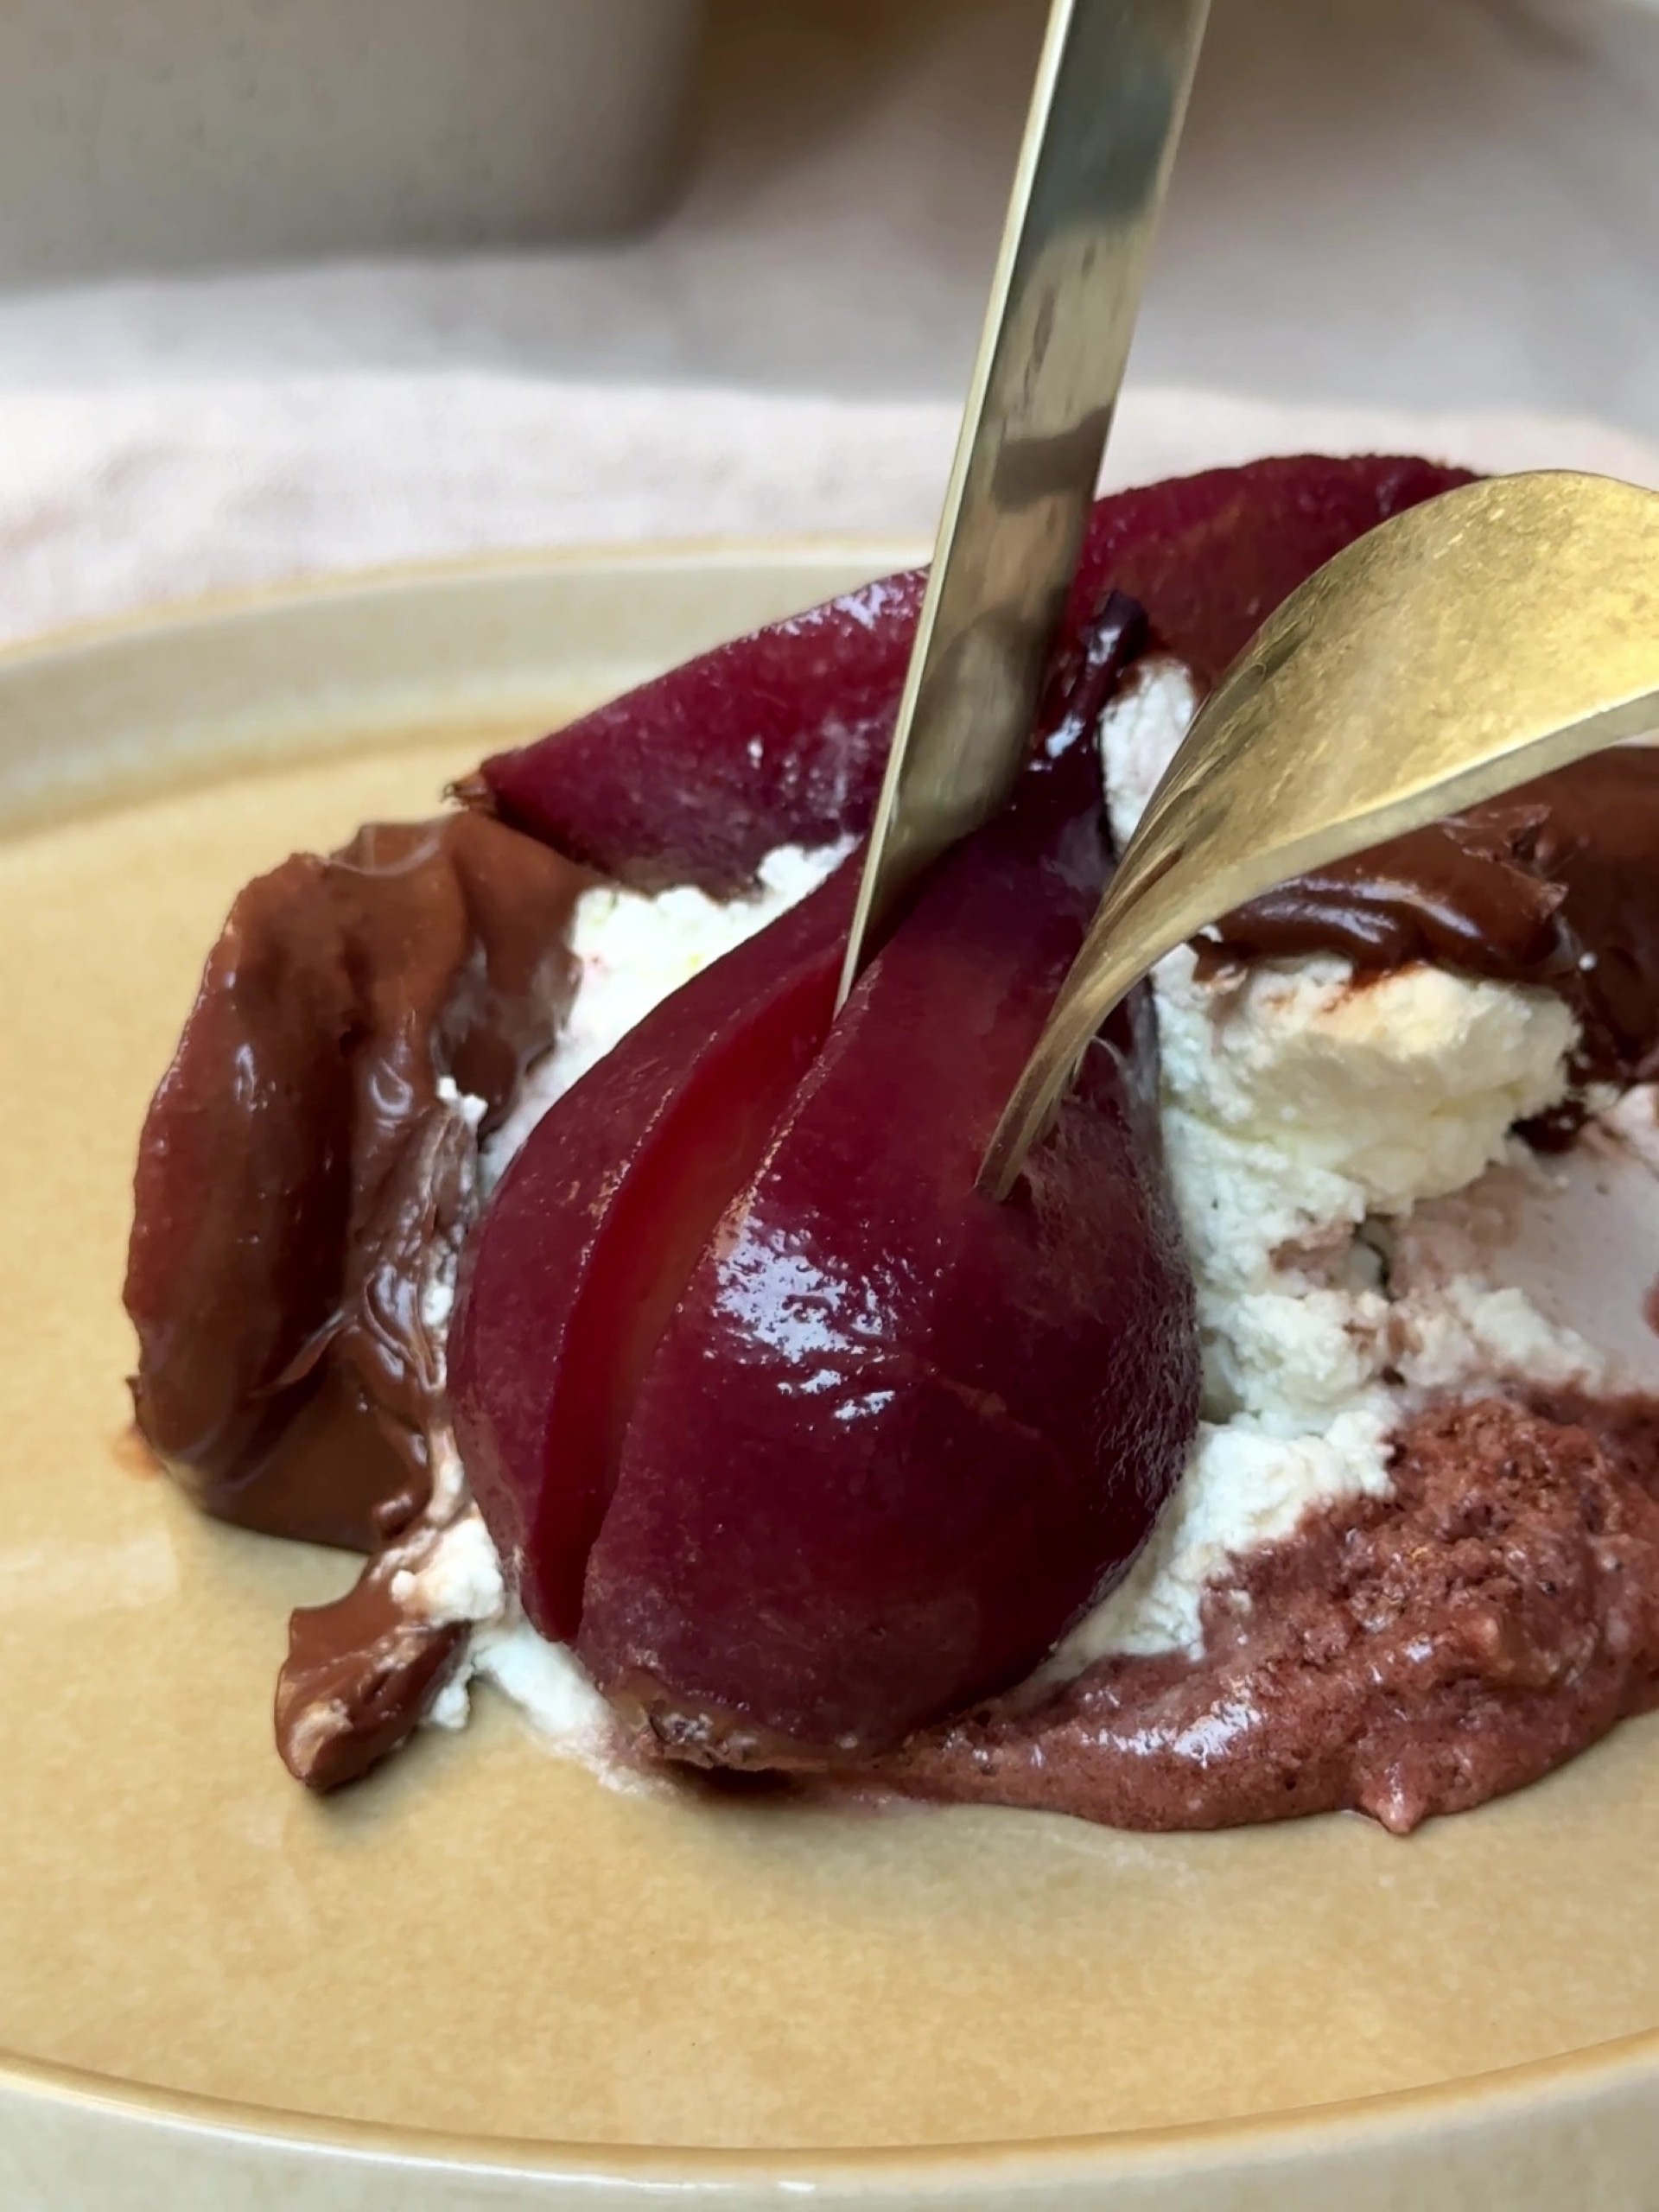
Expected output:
(1403, 1656)
(306, 1175)
(362, 1672)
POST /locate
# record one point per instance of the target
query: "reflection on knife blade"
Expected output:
(1105, 117)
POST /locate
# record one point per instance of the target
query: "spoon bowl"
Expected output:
(1501, 630)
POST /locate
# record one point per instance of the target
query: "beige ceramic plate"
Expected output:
(482, 1979)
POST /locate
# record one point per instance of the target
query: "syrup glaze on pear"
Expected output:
(896, 1438)
(802, 1439)
(576, 1264)
(781, 737)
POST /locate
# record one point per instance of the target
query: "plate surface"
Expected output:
(213, 1983)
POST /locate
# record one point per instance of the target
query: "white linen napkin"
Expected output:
(116, 497)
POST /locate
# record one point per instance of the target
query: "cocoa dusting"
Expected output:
(1403, 1656)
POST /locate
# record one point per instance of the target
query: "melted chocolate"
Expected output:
(361, 1672)
(1403, 1656)
(300, 1178)
(1555, 884)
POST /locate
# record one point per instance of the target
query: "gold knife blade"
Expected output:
(1105, 117)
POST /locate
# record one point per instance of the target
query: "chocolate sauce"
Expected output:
(361, 1672)
(302, 1177)
(1554, 885)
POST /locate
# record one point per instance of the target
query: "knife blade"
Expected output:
(1105, 117)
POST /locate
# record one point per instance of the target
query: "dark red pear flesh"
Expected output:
(1209, 556)
(781, 737)
(896, 1438)
(588, 1241)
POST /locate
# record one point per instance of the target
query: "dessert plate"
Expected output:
(482, 1979)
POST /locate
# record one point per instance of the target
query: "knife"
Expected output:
(1111, 93)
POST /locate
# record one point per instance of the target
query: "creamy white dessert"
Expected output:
(632, 950)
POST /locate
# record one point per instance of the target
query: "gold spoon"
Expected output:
(1465, 647)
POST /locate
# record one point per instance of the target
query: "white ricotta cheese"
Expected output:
(1330, 1146)
(460, 1580)
(632, 949)
(1242, 1487)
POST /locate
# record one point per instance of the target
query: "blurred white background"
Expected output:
(1411, 203)
(1405, 225)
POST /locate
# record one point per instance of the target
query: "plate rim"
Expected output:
(804, 550)
(1534, 2090)
(1533, 2085)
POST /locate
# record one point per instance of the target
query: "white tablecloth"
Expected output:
(1407, 203)
(111, 499)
